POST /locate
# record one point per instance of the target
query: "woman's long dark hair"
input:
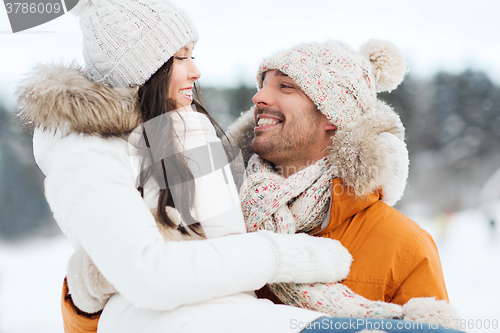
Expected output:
(154, 101)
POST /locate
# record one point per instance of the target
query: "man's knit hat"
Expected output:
(126, 41)
(341, 82)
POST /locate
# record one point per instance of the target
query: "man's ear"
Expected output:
(330, 127)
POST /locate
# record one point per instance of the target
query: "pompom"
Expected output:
(387, 61)
(81, 6)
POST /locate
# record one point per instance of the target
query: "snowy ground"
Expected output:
(470, 254)
(31, 275)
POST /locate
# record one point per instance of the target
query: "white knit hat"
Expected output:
(341, 82)
(126, 41)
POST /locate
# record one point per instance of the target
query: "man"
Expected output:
(309, 95)
(295, 134)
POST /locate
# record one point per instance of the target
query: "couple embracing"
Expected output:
(138, 179)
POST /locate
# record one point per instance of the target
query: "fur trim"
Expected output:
(431, 311)
(61, 97)
(241, 133)
(398, 161)
(368, 153)
(359, 156)
(388, 62)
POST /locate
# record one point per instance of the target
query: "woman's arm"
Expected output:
(90, 188)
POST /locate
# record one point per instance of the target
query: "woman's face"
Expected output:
(184, 73)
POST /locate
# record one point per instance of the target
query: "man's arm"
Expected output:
(424, 273)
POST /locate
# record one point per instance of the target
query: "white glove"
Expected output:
(302, 258)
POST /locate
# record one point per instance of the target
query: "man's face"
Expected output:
(290, 130)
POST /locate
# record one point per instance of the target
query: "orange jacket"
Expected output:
(394, 259)
(76, 321)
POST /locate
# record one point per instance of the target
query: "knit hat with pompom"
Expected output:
(126, 41)
(341, 82)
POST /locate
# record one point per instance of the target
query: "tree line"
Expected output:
(452, 126)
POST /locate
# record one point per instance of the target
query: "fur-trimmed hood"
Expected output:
(62, 98)
(366, 154)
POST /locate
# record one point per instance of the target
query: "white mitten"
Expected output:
(306, 259)
(88, 288)
(432, 311)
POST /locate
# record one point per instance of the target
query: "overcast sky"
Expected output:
(434, 35)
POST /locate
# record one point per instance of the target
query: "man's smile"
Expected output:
(265, 121)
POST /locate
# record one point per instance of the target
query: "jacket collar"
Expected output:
(62, 98)
(344, 205)
(358, 157)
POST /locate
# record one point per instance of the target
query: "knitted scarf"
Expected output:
(300, 203)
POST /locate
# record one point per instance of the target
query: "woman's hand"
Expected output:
(302, 258)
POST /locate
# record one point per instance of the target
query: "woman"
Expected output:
(139, 68)
(82, 120)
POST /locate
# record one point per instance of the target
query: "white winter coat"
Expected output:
(187, 286)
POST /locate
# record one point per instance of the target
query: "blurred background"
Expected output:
(449, 104)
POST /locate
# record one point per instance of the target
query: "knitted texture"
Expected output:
(126, 42)
(341, 82)
(367, 153)
(296, 204)
(432, 311)
(334, 299)
(300, 203)
(302, 258)
(285, 205)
